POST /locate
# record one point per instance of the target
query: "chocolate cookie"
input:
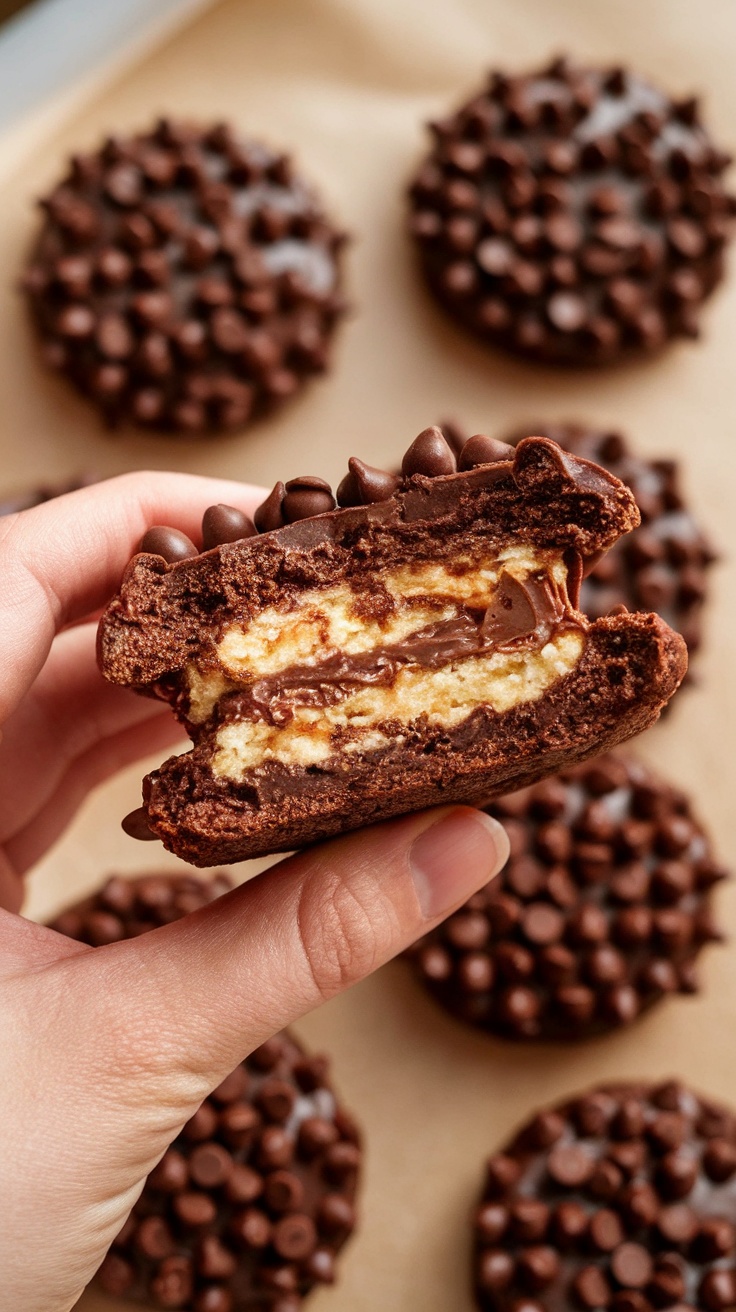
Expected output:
(250, 1205)
(573, 215)
(601, 910)
(36, 496)
(622, 1199)
(185, 279)
(421, 645)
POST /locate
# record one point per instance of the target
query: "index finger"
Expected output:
(62, 560)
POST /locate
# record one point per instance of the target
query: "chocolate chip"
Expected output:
(294, 1237)
(429, 454)
(305, 497)
(482, 450)
(570, 1165)
(222, 524)
(367, 484)
(269, 515)
(169, 543)
(632, 1265)
(591, 1287)
(136, 825)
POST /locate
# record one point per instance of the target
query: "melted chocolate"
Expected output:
(521, 614)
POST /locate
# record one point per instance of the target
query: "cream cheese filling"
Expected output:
(443, 698)
(329, 621)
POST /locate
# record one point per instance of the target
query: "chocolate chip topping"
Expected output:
(363, 485)
(168, 543)
(429, 456)
(661, 566)
(573, 215)
(225, 524)
(185, 279)
(614, 1200)
(251, 1203)
(482, 450)
(601, 910)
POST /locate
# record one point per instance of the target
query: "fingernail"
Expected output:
(455, 857)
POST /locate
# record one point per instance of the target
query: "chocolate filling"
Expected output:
(522, 614)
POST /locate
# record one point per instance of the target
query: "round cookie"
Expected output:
(573, 215)
(622, 1199)
(600, 911)
(185, 279)
(661, 566)
(250, 1205)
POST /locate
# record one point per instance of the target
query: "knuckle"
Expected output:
(342, 934)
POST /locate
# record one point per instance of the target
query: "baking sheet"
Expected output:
(348, 84)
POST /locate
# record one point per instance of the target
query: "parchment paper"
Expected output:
(348, 84)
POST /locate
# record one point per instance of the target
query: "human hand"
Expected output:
(107, 1052)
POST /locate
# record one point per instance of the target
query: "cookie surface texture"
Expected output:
(573, 215)
(185, 279)
(601, 910)
(620, 1199)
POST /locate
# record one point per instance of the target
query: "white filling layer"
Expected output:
(326, 622)
(444, 697)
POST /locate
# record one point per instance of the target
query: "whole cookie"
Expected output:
(250, 1205)
(622, 1199)
(185, 279)
(573, 215)
(662, 565)
(601, 910)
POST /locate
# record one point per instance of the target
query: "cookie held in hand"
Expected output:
(419, 644)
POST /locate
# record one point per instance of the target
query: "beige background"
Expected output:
(348, 83)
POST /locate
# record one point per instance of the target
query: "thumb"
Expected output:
(188, 1001)
(108, 1051)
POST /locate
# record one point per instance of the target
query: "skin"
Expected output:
(106, 1052)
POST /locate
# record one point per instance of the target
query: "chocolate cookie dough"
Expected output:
(573, 215)
(622, 1199)
(252, 1202)
(423, 644)
(602, 909)
(185, 279)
